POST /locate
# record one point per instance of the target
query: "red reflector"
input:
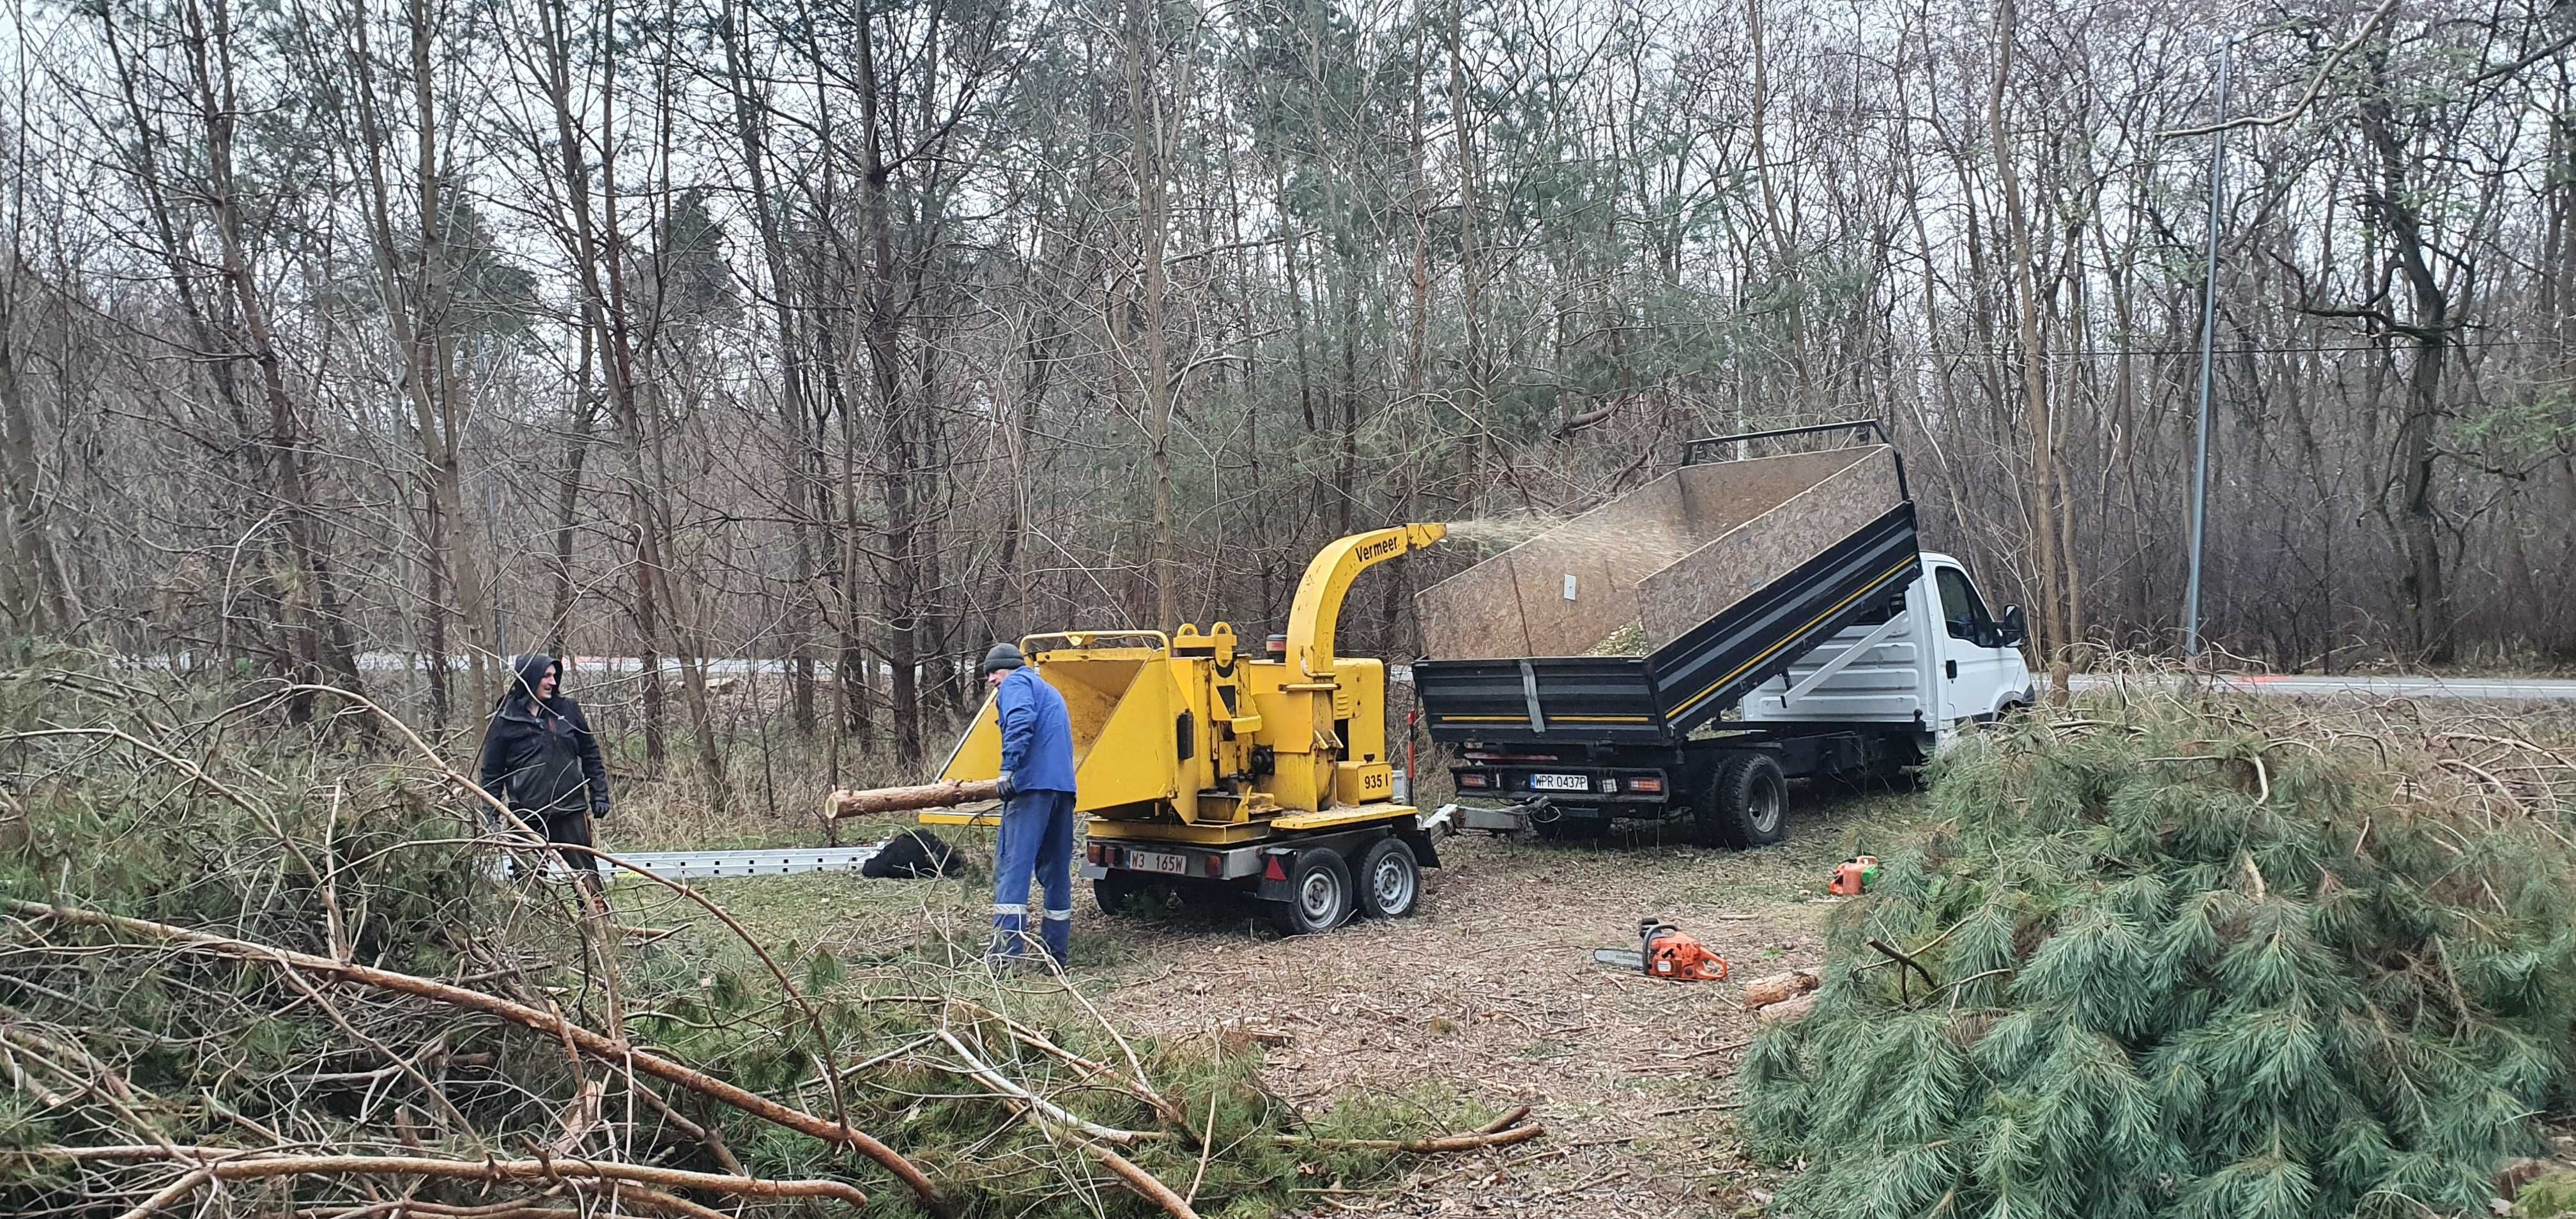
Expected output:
(1215, 865)
(1471, 780)
(1272, 870)
(1091, 851)
(1647, 786)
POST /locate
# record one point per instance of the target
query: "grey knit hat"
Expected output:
(1003, 656)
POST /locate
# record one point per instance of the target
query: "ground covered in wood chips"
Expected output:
(1489, 992)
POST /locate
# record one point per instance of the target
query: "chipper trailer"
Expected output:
(1210, 769)
(1769, 619)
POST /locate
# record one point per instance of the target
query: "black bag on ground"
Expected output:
(912, 853)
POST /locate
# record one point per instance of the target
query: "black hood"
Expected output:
(525, 673)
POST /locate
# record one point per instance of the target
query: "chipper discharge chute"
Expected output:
(1207, 768)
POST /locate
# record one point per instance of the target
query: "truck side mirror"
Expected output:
(2016, 627)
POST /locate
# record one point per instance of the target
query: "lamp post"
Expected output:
(2208, 369)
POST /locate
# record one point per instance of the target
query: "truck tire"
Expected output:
(1389, 880)
(1319, 894)
(1746, 806)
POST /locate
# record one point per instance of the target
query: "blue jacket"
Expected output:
(1037, 738)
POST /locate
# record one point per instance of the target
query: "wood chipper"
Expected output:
(1210, 769)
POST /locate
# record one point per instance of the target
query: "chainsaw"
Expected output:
(1664, 951)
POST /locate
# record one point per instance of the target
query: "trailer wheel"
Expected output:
(1390, 879)
(1745, 807)
(1117, 892)
(1319, 894)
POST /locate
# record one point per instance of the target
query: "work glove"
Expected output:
(599, 810)
(1004, 787)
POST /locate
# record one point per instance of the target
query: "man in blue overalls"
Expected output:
(1037, 809)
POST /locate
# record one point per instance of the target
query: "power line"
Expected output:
(2006, 352)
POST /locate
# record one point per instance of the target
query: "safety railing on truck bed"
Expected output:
(1706, 448)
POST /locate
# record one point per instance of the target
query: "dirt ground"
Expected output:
(1489, 990)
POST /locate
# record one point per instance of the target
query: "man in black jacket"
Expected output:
(540, 757)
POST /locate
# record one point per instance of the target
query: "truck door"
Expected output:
(1978, 672)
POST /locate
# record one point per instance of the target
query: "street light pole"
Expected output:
(2208, 368)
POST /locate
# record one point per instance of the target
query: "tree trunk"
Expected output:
(328, 643)
(2392, 202)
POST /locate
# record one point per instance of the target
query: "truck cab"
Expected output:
(1930, 655)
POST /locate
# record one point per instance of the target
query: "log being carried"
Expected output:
(846, 802)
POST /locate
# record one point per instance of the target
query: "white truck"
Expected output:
(1789, 627)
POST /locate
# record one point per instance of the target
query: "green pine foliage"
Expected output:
(2180, 968)
(217, 816)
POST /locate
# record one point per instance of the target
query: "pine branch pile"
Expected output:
(252, 967)
(2190, 961)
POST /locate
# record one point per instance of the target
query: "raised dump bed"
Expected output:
(1721, 573)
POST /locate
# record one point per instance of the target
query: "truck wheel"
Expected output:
(1319, 894)
(1390, 880)
(1745, 807)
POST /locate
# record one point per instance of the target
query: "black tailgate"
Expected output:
(1571, 698)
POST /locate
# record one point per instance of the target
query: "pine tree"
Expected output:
(2173, 967)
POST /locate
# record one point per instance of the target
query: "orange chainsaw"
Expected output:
(1665, 951)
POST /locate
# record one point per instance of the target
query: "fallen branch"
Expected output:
(1144, 1183)
(1047, 1112)
(1441, 1145)
(186, 1184)
(1907, 961)
(590, 1042)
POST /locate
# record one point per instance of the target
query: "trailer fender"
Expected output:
(1424, 854)
(1278, 867)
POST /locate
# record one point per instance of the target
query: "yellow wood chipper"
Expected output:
(1209, 769)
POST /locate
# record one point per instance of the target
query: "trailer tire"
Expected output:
(1319, 894)
(1117, 893)
(1746, 806)
(1389, 880)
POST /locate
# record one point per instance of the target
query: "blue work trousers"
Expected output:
(1037, 838)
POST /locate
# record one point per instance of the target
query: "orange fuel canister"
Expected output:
(1854, 875)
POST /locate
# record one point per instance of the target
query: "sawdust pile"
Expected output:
(1628, 640)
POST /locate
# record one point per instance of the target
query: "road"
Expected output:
(2491, 689)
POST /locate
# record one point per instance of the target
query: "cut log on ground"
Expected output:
(1790, 1011)
(1780, 988)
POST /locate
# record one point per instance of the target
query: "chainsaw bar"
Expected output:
(1624, 958)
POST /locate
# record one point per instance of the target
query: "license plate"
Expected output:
(1157, 861)
(1560, 783)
